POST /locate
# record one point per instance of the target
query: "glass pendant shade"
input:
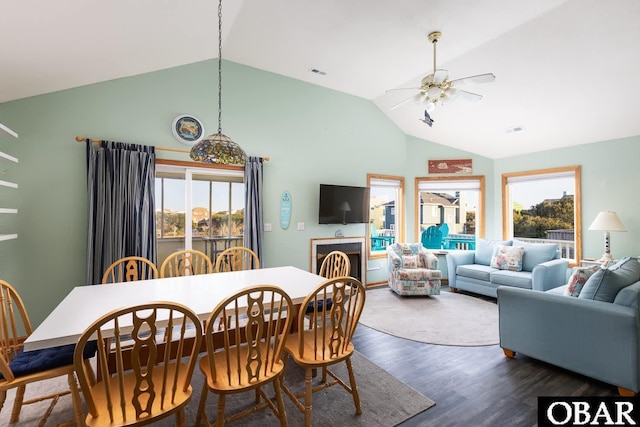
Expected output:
(218, 149)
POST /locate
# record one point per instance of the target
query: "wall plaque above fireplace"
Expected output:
(354, 247)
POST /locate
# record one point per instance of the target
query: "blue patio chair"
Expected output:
(432, 238)
(379, 243)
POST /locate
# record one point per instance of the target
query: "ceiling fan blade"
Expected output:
(450, 94)
(469, 96)
(480, 78)
(440, 75)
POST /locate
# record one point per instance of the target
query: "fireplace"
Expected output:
(352, 246)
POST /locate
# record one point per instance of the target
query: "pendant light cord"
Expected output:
(220, 67)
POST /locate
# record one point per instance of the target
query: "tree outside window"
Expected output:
(542, 206)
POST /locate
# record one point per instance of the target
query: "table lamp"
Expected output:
(607, 221)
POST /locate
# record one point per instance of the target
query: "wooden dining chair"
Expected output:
(130, 269)
(146, 382)
(20, 368)
(236, 259)
(329, 340)
(248, 353)
(187, 262)
(335, 264)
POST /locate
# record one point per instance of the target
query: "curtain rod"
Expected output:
(175, 150)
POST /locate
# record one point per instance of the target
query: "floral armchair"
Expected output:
(413, 270)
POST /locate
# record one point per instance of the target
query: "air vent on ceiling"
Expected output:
(513, 129)
(316, 71)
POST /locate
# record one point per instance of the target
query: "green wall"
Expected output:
(609, 172)
(311, 134)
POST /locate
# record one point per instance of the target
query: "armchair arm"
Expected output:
(394, 261)
(456, 258)
(429, 259)
(549, 275)
(593, 338)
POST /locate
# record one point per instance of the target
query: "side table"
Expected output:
(442, 266)
(589, 262)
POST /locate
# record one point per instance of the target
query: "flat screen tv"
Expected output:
(342, 204)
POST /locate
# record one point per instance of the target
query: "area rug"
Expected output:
(385, 401)
(446, 319)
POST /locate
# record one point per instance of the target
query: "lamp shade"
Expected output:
(607, 221)
(218, 149)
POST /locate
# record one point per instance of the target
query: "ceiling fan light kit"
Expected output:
(437, 88)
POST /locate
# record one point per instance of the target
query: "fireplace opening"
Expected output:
(353, 247)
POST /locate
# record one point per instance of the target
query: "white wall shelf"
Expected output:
(8, 157)
(8, 184)
(8, 131)
(3, 132)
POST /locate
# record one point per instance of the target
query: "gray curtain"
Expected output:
(253, 228)
(121, 191)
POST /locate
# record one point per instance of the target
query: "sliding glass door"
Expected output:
(210, 201)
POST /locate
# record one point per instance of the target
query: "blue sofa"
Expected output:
(471, 271)
(596, 334)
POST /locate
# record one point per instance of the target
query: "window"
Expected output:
(544, 206)
(457, 202)
(210, 200)
(386, 217)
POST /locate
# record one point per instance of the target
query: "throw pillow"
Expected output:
(536, 253)
(484, 250)
(507, 258)
(409, 261)
(578, 279)
(605, 284)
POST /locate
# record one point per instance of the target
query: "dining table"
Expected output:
(201, 293)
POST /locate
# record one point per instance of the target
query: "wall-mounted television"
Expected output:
(342, 204)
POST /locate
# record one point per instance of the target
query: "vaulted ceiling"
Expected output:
(567, 71)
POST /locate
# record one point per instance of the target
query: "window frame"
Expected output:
(187, 171)
(480, 214)
(507, 205)
(399, 212)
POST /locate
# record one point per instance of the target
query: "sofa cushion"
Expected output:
(578, 279)
(475, 271)
(507, 258)
(629, 296)
(605, 284)
(560, 290)
(484, 250)
(536, 253)
(518, 279)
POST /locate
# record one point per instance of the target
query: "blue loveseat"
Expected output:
(596, 334)
(541, 268)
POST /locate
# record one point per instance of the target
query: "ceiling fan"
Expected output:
(436, 87)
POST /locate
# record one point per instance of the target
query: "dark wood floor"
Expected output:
(472, 386)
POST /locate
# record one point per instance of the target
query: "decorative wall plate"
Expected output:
(187, 129)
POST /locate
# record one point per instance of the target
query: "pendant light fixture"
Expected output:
(219, 148)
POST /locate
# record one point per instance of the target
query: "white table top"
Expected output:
(201, 293)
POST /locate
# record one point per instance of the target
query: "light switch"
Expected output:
(300, 226)
(267, 226)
